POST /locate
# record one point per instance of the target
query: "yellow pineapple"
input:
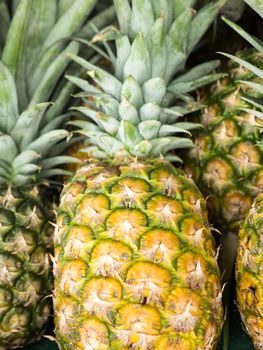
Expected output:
(135, 261)
(227, 165)
(249, 282)
(249, 273)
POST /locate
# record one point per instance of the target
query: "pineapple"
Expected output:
(226, 162)
(249, 273)
(32, 62)
(249, 283)
(135, 262)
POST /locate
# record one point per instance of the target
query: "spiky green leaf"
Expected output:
(43, 64)
(257, 114)
(5, 22)
(157, 47)
(44, 143)
(25, 158)
(154, 90)
(167, 130)
(128, 133)
(249, 66)
(142, 17)
(201, 22)
(162, 8)
(69, 22)
(189, 86)
(257, 6)
(149, 129)
(128, 111)
(101, 20)
(197, 72)
(258, 44)
(52, 162)
(138, 65)
(180, 5)
(123, 47)
(257, 87)
(180, 29)
(162, 145)
(132, 92)
(30, 25)
(108, 82)
(55, 123)
(52, 75)
(124, 14)
(63, 6)
(8, 148)
(8, 99)
(27, 127)
(105, 122)
(150, 111)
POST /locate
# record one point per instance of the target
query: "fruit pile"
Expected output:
(131, 173)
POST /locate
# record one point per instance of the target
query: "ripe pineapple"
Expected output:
(249, 273)
(250, 249)
(135, 261)
(31, 65)
(231, 172)
(226, 162)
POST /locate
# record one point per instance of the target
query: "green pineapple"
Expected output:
(34, 59)
(135, 261)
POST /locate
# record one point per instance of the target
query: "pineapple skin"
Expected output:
(226, 162)
(249, 273)
(25, 276)
(135, 261)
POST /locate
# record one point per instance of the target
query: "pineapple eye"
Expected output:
(7, 217)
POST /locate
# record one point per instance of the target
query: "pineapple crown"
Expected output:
(34, 47)
(136, 111)
(257, 87)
